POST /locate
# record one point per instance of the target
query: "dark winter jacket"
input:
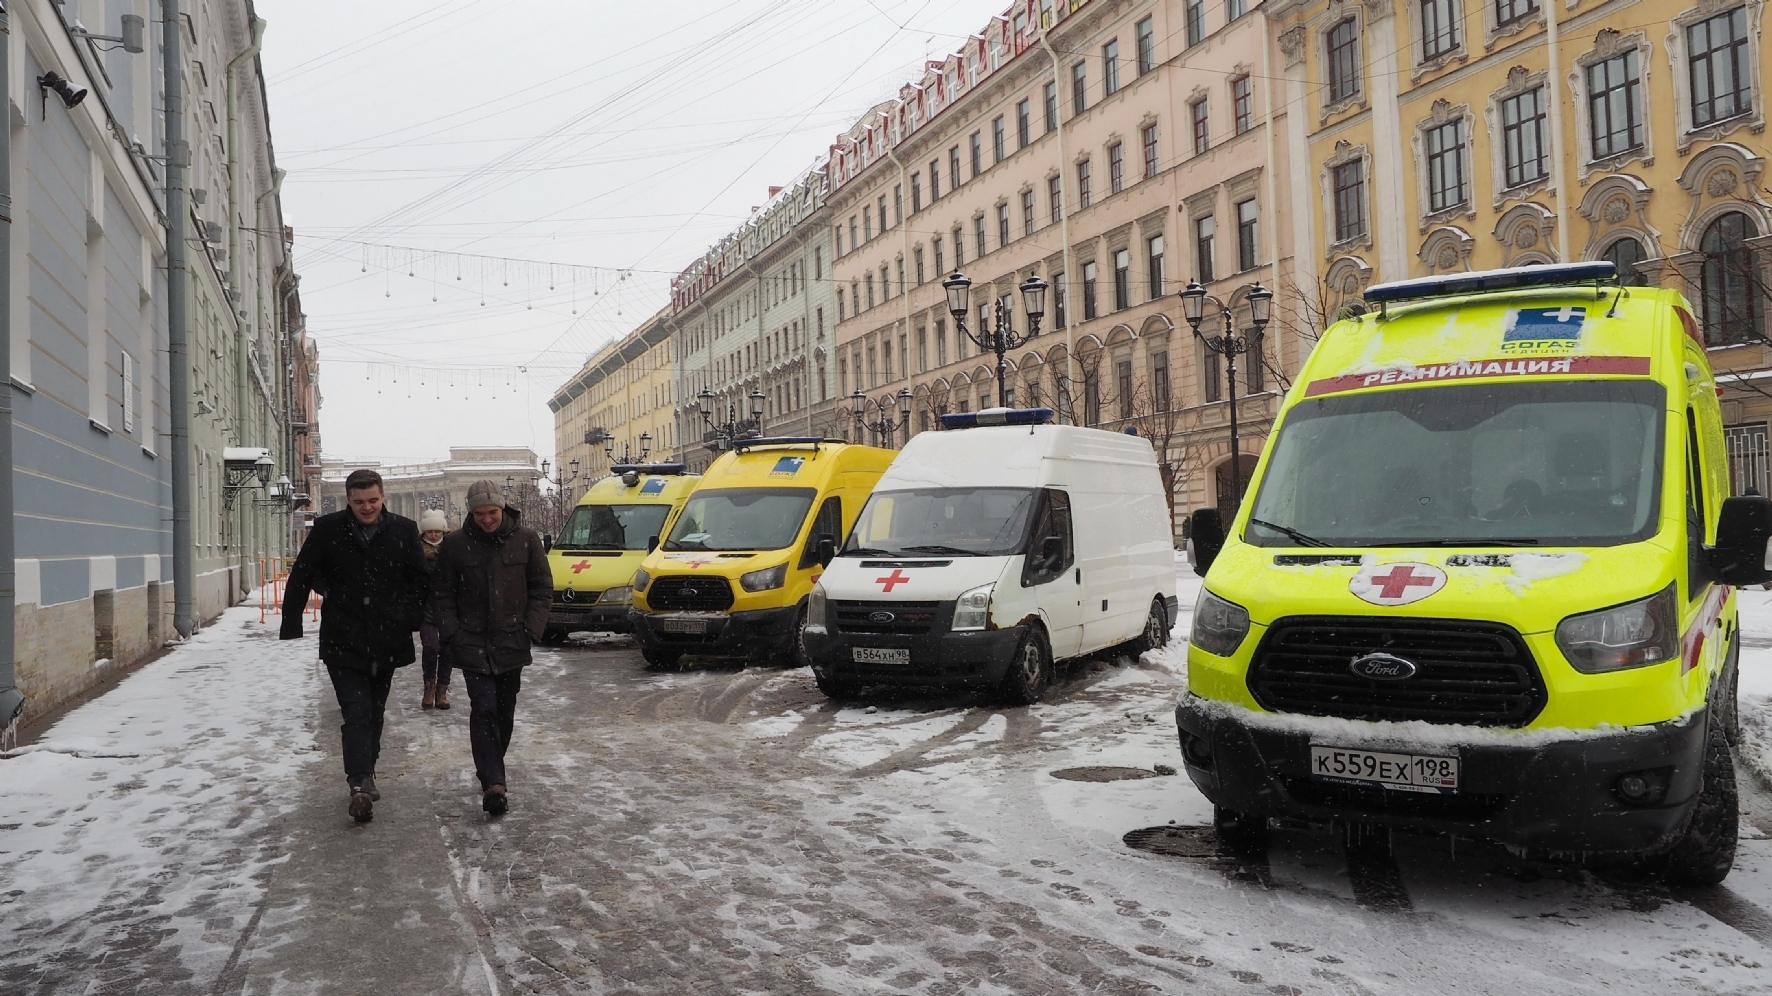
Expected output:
(375, 593)
(431, 554)
(491, 594)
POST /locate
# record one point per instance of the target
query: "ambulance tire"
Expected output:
(1731, 710)
(834, 687)
(1704, 851)
(1239, 832)
(1030, 672)
(1156, 630)
(800, 658)
(662, 660)
(552, 637)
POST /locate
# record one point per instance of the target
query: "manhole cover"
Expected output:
(1180, 842)
(1103, 774)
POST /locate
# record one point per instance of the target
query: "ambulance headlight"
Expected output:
(766, 579)
(815, 609)
(973, 608)
(641, 580)
(617, 596)
(1219, 626)
(1635, 634)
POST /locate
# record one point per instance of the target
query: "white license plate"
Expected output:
(683, 625)
(1402, 772)
(879, 655)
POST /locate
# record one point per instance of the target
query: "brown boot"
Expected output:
(442, 696)
(494, 801)
(430, 696)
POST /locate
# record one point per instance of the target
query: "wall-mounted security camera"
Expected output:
(70, 94)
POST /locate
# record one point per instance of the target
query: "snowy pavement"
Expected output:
(733, 832)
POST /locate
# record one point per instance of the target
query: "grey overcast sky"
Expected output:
(485, 191)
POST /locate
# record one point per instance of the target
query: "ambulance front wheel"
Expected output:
(1238, 831)
(661, 660)
(1704, 851)
(1030, 672)
(834, 687)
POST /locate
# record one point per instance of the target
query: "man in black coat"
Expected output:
(367, 564)
(490, 600)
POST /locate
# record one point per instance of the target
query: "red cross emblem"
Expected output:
(889, 581)
(1396, 584)
(579, 568)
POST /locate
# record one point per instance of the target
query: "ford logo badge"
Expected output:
(1382, 667)
(881, 617)
(690, 593)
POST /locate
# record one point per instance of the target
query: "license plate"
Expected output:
(879, 655)
(1431, 773)
(683, 625)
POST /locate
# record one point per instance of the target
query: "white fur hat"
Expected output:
(433, 520)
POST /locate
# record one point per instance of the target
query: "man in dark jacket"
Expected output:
(367, 564)
(490, 600)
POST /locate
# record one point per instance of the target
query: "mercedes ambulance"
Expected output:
(990, 550)
(617, 522)
(1481, 583)
(733, 574)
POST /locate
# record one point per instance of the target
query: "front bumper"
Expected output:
(938, 659)
(594, 617)
(1552, 798)
(757, 634)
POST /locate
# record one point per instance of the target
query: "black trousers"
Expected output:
(493, 700)
(436, 655)
(361, 699)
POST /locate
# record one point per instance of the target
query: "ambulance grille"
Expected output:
(908, 618)
(1472, 673)
(695, 593)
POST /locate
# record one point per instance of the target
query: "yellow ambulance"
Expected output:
(619, 519)
(732, 575)
(1481, 583)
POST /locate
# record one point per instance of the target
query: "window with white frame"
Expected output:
(1153, 255)
(1145, 36)
(1194, 12)
(1615, 105)
(1116, 168)
(1348, 189)
(1055, 196)
(1204, 229)
(1028, 223)
(1447, 184)
(1110, 68)
(1202, 130)
(1242, 103)
(1439, 28)
(1717, 64)
(1524, 156)
(1246, 252)
(1508, 11)
(1148, 137)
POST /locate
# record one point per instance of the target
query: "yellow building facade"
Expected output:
(621, 402)
(1435, 136)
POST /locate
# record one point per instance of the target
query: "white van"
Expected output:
(991, 549)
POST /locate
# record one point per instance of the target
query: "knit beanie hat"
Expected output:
(433, 521)
(483, 493)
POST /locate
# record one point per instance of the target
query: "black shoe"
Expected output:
(494, 801)
(367, 787)
(362, 807)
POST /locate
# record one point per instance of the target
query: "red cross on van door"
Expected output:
(892, 580)
(1396, 584)
(580, 567)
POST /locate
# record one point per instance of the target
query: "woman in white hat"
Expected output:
(433, 525)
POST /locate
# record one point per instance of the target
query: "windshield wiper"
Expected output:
(938, 548)
(1292, 534)
(865, 551)
(1516, 541)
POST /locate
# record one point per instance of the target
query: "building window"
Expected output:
(1349, 183)
(1058, 301)
(1002, 225)
(1625, 254)
(1153, 255)
(1615, 105)
(897, 206)
(1023, 124)
(975, 145)
(1344, 60)
(1116, 168)
(1234, 9)
(1209, 374)
(1083, 184)
(1522, 137)
(1195, 14)
(935, 247)
(1091, 395)
(978, 235)
(1089, 290)
(1447, 186)
(1079, 87)
(1160, 379)
(1246, 235)
(1721, 75)
(1730, 284)
(954, 168)
(1122, 279)
(916, 192)
(1110, 68)
(1242, 104)
(840, 312)
(1204, 230)
(1050, 99)
(1202, 129)
(922, 350)
(934, 181)
(1254, 372)
(1146, 43)
(1055, 197)
(868, 281)
(1508, 11)
(1123, 387)
(867, 224)
(1027, 212)
(959, 248)
(941, 343)
(1439, 28)
(1148, 135)
(917, 264)
(999, 140)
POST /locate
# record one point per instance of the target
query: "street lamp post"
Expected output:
(884, 427)
(733, 428)
(560, 480)
(1230, 345)
(627, 450)
(1001, 338)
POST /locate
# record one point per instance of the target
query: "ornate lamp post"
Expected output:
(884, 426)
(1230, 345)
(724, 433)
(627, 451)
(560, 481)
(1001, 338)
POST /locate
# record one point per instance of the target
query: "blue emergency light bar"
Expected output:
(1485, 281)
(666, 469)
(997, 416)
(745, 444)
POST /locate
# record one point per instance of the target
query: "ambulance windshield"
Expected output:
(741, 519)
(612, 527)
(943, 522)
(1552, 463)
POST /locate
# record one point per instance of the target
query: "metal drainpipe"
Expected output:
(1559, 174)
(178, 375)
(1064, 229)
(1272, 193)
(904, 252)
(242, 335)
(279, 407)
(12, 701)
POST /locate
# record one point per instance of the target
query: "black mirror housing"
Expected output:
(1743, 528)
(651, 543)
(1205, 538)
(825, 549)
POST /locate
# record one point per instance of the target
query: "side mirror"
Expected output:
(651, 543)
(1743, 527)
(1205, 538)
(824, 549)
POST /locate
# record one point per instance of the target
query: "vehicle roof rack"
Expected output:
(661, 469)
(997, 416)
(1487, 281)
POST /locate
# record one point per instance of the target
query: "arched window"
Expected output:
(1625, 254)
(1729, 285)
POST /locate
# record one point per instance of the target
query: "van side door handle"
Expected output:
(1079, 575)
